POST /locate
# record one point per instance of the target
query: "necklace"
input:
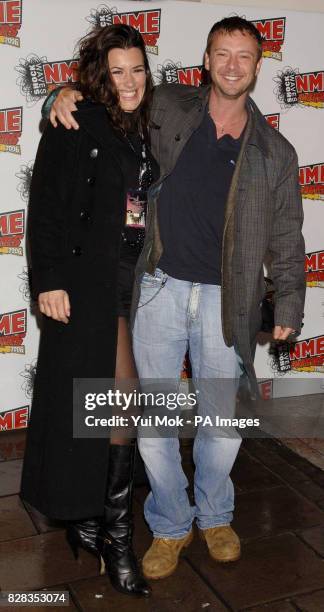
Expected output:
(145, 177)
(222, 125)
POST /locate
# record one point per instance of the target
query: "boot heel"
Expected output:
(102, 565)
(81, 536)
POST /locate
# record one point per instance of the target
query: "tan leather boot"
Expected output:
(162, 557)
(223, 543)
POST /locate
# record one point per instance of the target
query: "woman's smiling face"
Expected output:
(127, 71)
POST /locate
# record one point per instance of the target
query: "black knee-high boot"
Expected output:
(116, 532)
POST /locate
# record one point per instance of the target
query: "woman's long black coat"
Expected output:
(75, 221)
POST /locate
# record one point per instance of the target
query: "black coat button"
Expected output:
(91, 180)
(93, 153)
(77, 251)
(84, 215)
(177, 137)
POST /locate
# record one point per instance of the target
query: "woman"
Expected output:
(86, 226)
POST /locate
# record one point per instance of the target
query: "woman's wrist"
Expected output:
(49, 101)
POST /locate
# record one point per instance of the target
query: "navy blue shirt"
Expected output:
(192, 203)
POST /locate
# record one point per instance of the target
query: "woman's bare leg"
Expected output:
(125, 367)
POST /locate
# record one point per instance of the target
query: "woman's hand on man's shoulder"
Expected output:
(63, 107)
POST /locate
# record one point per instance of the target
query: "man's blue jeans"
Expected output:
(172, 316)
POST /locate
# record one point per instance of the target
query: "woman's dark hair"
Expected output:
(94, 80)
(232, 24)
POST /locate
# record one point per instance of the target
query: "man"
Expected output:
(227, 196)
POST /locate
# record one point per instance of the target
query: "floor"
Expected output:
(279, 517)
(309, 448)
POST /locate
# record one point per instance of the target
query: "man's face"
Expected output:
(233, 63)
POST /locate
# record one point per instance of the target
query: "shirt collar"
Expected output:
(256, 124)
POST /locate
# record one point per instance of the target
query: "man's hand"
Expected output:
(63, 107)
(55, 304)
(282, 333)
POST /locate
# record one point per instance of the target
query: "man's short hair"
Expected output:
(232, 24)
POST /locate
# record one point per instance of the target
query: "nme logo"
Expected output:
(308, 355)
(14, 419)
(12, 232)
(314, 269)
(273, 120)
(305, 89)
(10, 129)
(13, 328)
(174, 72)
(10, 22)
(273, 35)
(38, 76)
(311, 180)
(146, 22)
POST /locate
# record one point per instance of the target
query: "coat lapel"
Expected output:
(253, 137)
(238, 193)
(185, 119)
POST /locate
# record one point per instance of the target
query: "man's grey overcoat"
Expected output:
(263, 216)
